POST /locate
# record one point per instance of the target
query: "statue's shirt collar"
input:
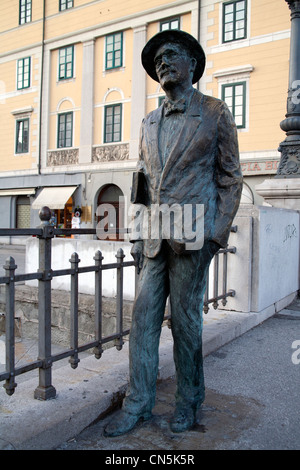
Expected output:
(179, 106)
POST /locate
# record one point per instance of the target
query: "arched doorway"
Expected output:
(111, 199)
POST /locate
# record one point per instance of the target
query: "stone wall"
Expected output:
(26, 315)
(62, 250)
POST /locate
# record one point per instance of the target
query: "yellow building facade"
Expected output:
(259, 64)
(73, 94)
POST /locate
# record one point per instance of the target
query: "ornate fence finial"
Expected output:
(45, 215)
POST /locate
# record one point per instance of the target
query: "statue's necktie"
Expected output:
(174, 107)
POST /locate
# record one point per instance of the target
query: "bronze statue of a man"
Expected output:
(188, 155)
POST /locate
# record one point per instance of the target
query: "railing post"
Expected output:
(74, 360)
(10, 267)
(45, 390)
(216, 280)
(206, 294)
(224, 300)
(98, 350)
(119, 341)
(136, 279)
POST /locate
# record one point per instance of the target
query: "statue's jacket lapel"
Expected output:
(151, 157)
(185, 137)
(202, 167)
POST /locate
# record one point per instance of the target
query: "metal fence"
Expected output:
(217, 279)
(44, 275)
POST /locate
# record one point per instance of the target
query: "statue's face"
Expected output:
(173, 65)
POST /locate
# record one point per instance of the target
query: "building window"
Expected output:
(23, 73)
(22, 135)
(171, 23)
(114, 48)
(234, 20)
(23, 212)
(112, 123)
(65, 130)
(234, 96)
(65, 4)
(24, 11)
(66, 60)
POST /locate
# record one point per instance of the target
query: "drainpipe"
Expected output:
(41, 90)
(198, 32)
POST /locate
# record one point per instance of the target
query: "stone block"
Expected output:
(275, 273)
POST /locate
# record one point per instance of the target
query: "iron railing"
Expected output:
(44, 275)
(216, 279)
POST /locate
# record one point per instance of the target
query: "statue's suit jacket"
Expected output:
(202, 168)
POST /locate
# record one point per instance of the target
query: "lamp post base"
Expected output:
(289, 165)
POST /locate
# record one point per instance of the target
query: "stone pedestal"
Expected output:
(281, 192)
(264, 271)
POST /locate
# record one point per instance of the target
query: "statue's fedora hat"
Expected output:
(179, 37)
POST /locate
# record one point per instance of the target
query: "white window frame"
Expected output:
(30, 73)
(106, 71)
(234, 75)
(225, 46)
(65, 80)
(20, 114)
(233, 3)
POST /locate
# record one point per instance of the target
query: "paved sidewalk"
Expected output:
(252, 403)
(96, 386)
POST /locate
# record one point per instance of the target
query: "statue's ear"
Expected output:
(193, 64)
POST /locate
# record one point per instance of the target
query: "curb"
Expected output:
(96, 387)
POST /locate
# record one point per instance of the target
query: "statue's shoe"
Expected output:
(124, 422)
(183, 419)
